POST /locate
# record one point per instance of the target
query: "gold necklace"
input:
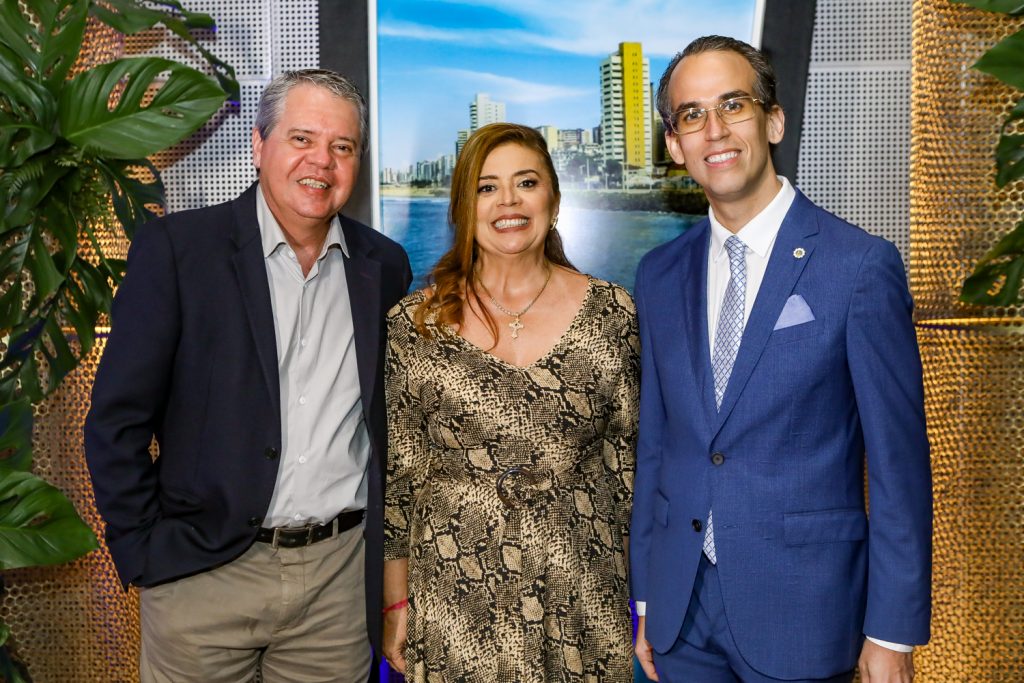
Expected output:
(516, 325)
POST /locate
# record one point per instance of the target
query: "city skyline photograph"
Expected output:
(541, 59)
(581, 73)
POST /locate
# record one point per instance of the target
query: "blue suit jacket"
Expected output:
(192, 360)
(803, 572)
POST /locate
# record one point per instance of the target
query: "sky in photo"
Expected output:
(540, 57)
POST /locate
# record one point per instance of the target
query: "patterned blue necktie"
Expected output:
(730, 320)
(727, 342)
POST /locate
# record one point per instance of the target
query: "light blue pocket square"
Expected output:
(795, 312)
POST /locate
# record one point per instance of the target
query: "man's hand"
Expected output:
(395, 623)
(644, 652)
(879, 664)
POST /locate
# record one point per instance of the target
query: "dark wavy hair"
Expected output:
(764, 74)
(454, 277)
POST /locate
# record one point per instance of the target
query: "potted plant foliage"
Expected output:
(999, 274)
(73, 156)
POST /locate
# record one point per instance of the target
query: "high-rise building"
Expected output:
(484, 110)
(460, 141)
(550, 134)
(626, 107)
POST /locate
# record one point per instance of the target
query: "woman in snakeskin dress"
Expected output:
(512, 406)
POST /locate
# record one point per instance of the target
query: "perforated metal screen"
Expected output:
(259, 39)
(855, 148)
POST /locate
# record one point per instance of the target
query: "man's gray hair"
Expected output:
(272, 101)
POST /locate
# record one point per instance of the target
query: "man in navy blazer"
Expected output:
(247, 340)
(778, 354)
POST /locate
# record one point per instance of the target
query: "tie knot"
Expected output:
(737, 250)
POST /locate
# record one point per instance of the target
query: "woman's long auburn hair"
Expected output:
(454, 277)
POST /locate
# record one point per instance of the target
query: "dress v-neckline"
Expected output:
(547, 354)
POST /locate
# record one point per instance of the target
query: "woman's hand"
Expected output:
(396, 612)
(395, 624)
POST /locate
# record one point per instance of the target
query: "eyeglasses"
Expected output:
(734, 110)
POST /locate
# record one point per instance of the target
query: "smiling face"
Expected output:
(515, 202)
(731, 162)
(310, 159)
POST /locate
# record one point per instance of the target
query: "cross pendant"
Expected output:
(515, 326)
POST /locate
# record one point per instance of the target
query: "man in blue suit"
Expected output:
(248, 340)
(778, 351)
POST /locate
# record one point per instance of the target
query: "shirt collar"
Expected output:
(759, 233)
(273, 237)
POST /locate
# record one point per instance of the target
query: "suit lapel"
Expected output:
(798, 231)
(251, 270)
(362, 274)
(695, 289)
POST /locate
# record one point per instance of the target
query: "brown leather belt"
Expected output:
(301, 536)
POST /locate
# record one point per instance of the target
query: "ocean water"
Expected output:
(606, 244)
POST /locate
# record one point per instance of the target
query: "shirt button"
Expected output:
(302, 459)
(297, 518)
(302, 400)
(697, 526)
(271, 453)
(717, 458)
(304, 342)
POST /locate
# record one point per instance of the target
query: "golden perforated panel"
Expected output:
(973, 357)
(974, 380)
(74, 622)
(956, 211)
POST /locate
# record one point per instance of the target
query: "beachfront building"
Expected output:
(550, 134)
(484, 110)
(626, 109)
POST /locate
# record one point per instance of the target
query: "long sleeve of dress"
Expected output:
(621, 434)
(407, 442)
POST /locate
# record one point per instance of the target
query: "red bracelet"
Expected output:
(398, 605)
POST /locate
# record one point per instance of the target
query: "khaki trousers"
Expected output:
(296, 614)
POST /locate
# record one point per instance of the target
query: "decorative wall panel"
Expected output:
(855, 145)
(973, 357)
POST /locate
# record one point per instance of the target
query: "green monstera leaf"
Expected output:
(27, 113)
(45, 34)
(136, 126)
(997, 279)
(1012, 7)
(128, 16)
(16, 435)
(1005, 60)
(38, 524)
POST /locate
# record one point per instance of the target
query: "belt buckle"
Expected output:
(506, 497)
(275, 542)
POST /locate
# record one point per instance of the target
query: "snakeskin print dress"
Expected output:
(509, 490)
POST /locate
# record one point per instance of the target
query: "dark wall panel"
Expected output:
(786, 40)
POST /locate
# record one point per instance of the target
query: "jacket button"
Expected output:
(254, 521)
(271, 453)
(697, 526)
(717, 458)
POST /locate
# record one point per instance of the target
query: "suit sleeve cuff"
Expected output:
(641, 608)
(892, 646)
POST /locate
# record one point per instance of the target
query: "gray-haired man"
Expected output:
(247, 340)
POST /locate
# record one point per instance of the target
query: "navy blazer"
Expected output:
(192, 361)
(803, 572)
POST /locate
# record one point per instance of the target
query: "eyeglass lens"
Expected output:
(736, 110)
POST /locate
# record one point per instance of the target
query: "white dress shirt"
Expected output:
(759, 237)
(325, 444)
